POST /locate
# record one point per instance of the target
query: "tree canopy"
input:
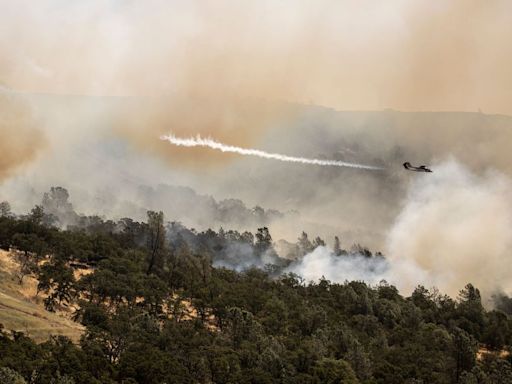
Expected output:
(160, 306)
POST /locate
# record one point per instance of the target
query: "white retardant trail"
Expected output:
(199, 141)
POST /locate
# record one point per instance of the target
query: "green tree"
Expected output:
(331, 371)
(5, 209)
(9, 376)
(497, 332)
(242, 327)
(156, 240)
(56, 203)
(337, 248)
(499, 371)
(318, 242)
(37, 214)
(275, 316)
(263, 241)
(56, 279)
(471, 311)
(464, 351)
(62, 380)
(30, 249)
(304, 245)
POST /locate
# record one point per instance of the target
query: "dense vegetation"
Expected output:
(156, 310)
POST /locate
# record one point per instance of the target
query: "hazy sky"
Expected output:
(356, 54)
(246, 72)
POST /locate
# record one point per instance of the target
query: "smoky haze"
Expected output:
(87, 89)
(212, 67)
(21, 136)
(431, 56)
(454, 227)
(457, 224)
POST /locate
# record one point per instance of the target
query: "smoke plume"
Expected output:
(198, 141)
(346, 54)
(323, 263)
(454, 228)
(457, 227)
(96, 82)
(20, 139)
(216, 65)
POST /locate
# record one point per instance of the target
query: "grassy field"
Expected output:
(20, 310)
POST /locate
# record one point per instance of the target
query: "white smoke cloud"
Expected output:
(322, 262)
(199, 141)
(455, 228)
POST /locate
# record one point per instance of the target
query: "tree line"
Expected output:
(159, 307)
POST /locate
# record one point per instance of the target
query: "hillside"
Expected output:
(161, 304)
(21, 311)
(359, 206)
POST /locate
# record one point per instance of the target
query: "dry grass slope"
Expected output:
(20, 310)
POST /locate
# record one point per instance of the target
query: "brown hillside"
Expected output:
(21, 310)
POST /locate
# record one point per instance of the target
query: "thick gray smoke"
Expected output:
(455, 227)
(252, 75)
(445, 229)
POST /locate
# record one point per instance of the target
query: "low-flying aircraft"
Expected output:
(421, 168)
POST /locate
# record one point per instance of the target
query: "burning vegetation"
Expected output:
(163, 303)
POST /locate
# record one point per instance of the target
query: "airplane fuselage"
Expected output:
(421, 168)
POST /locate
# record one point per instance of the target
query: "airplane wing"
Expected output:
(421, 168)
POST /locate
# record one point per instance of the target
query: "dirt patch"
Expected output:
(482, 352)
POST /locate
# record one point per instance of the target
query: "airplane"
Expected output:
(421, 168)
